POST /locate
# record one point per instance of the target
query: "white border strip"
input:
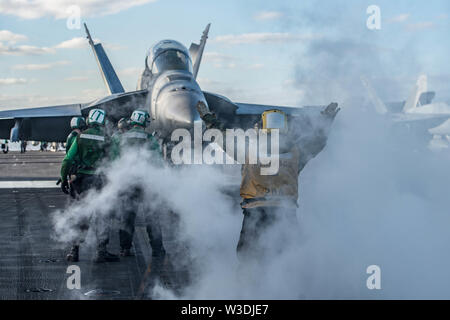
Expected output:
(28, 184)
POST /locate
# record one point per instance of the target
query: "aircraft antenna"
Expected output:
(88, 35)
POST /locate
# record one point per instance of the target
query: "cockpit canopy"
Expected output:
(168, 55)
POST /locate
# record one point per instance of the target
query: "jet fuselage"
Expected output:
(173, 92)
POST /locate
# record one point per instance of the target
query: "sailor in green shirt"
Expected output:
(137, 137)
(89, 150)
(76, 124)
(122, 126)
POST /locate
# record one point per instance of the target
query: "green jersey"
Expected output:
(88, 149)
(114, 150)
(70, 139)
(135, 137)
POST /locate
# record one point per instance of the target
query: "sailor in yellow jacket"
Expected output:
(267, 199)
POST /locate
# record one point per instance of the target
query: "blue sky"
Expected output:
(283, 52)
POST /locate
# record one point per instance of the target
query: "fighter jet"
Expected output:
(419, 102)
(167, 89)
(418, 113)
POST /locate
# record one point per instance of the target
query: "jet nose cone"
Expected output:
(180, 109)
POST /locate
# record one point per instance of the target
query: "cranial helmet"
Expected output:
(274, 119)
(139, 117)
(96, 117)
(77, 123)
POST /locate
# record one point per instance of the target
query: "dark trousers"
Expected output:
(81, 185)
(127, 227)
(257, 222)
(85, 182)
(129, 205)
(155, 235)
(130, 202)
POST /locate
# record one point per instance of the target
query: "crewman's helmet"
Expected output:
(123, 123)
(77, 123)
(140, 118)
(96, 117)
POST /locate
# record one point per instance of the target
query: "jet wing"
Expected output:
(70, 110)
(420, 124)
(251, 113)
(119, 105)
(245, 115)
(39, 124)
(53, 123)
(258, 109)
(411, 117)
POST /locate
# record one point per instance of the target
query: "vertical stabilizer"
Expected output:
(106, 69)
(413, 99)
(196, 50)
(376, 101)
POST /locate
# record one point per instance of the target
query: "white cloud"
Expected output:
(220, 60)
(77, 78)
(10, 37)
(42, 66)
(217, 57)
(224, 61)
(11, 81)
(399, 18)
(264, 37)
(81, 42)
(268, 15)
(23, 50)
(59, 9)
(420, 26)
(74, 43)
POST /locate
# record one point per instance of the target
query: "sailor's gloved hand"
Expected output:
(208, 117)
(65, 186)
(331, 110)
(203, 110)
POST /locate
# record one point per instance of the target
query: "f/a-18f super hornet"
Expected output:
(419, 113)
(167, 89)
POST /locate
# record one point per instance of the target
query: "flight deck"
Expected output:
(32, 262)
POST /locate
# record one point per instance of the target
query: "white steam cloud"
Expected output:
(367, 199)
